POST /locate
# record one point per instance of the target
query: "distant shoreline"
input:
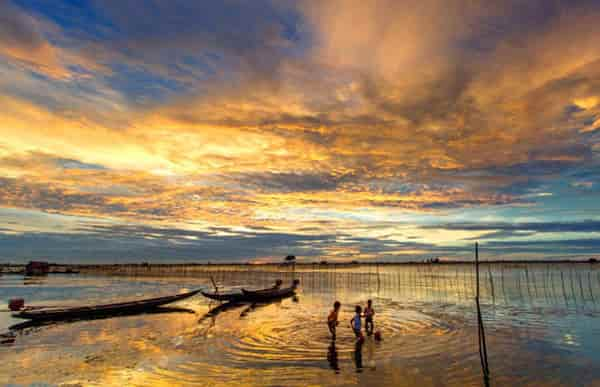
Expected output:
(74, 268)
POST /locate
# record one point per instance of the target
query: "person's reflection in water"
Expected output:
(370, 355)
(358, 356)
(332, 358)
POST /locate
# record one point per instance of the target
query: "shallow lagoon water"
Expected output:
(542, 326)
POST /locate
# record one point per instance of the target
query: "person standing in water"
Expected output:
(369, 313)
(356, 323)
(332, 319)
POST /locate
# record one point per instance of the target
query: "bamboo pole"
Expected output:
(491, 284)
(528, 288)
(480, 329)
(589, 282)
(573, 287)
(502, 282)
(477, 270)
(562, 281)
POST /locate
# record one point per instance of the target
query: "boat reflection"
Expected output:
(7, 339)
(40, 323)
(252, 307)
(258, 305)
(215, 311)
(34, 280)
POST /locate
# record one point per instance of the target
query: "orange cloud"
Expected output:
(412, 106)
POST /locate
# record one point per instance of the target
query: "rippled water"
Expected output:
(542, 326)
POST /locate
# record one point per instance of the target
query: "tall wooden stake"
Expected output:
(477, 269)
(480, 329)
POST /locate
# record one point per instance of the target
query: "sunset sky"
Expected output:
(340, 130)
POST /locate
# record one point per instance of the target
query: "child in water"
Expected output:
(332, 319)
(369, 313)
(356, 322)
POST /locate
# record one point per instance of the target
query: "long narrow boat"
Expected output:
(236, 296)
(81, 312)
(228, 296)
(158, 310)
(265, 295)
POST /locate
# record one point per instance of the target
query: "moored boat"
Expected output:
(265, 295)
(227, 296)
(81, 312)
(237, 295)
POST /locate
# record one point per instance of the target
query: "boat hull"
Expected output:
(258, 296)
(101, 310)
(223, 296)
(237, 296)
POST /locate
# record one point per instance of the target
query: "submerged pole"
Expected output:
(378, 279)
(480, 329)
(477, 270)
(491, 284)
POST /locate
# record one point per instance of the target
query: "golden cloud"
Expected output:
(414, 106)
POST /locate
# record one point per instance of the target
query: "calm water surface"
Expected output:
(542, 324)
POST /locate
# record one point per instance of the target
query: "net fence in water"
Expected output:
(570, 285)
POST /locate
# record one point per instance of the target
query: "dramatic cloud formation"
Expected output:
(364, 129)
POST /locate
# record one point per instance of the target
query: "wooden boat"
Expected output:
(265, 295)
(227, 297)
(236, 296)
(158, 310)
(81, 312)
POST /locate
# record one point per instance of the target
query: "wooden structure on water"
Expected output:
(37, 268)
